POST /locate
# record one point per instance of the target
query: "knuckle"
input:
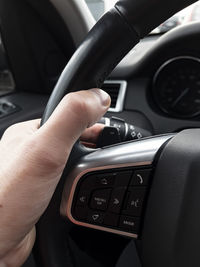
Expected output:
(77, 102)
(79, 107)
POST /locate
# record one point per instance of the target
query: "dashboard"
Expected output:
(163, 75)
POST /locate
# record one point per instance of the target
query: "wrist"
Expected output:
(18, 255)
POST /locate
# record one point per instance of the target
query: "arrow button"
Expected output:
(82, 198)
(95, 217)
(116, 200)
(105, 180)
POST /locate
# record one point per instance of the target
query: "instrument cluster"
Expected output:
(176, 87)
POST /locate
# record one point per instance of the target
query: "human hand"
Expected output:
(32, 160)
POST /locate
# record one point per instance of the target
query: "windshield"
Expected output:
(187, 15)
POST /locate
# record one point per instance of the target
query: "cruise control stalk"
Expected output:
(116, 130)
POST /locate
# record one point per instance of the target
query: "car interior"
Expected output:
(133, 201)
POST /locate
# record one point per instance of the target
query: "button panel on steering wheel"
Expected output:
(112, 199)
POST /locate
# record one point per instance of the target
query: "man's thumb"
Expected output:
(74, 114)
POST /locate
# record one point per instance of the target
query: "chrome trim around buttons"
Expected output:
(131, 154)
(121, 96)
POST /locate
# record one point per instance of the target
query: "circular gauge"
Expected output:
(176, 87)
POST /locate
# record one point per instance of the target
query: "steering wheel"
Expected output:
(156, 179)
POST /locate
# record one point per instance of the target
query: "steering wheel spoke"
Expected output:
(108, 188)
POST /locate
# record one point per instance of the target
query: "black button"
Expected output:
(80, 213)
(105, 180)
(123, 178)
(116, 200)
(95, 217)
(100, 199)
(111, 219)
(109, 136)
(130, 224)
(82, 198)
(141, 177)
(135, 202)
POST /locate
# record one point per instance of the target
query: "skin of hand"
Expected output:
(31, 163)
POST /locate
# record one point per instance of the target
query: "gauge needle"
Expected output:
(180, 97)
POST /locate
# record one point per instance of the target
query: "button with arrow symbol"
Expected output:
(116, 200)
(95, 217)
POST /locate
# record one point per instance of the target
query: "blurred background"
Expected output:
(190, 14)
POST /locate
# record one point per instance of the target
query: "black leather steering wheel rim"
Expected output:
(120, 22)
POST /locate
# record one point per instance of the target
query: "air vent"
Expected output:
(117, 92)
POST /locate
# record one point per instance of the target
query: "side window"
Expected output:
(99, 7)
(187, 15)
